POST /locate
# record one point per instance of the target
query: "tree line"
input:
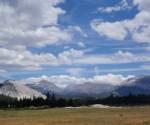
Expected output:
(51, 101)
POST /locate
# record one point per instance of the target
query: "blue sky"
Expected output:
(79, 39)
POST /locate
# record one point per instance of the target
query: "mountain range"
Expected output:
(18, 90)
(135, 85)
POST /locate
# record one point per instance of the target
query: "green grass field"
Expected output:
(80, 116)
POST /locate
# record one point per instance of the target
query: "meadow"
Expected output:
(77, 116)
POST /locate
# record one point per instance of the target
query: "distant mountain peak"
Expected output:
(18, 90)
(137, 85)
(45, 86)
(9, 81)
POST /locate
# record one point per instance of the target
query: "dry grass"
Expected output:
(82, 116)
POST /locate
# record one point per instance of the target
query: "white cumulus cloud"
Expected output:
(138, 27)
(123, 5)
(31, 23)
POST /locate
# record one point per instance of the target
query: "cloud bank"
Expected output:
(65, 80)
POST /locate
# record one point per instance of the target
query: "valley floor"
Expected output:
(78, 116)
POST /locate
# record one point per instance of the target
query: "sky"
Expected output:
(70, 39)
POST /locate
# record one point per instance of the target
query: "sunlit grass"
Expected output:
(80, 116)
